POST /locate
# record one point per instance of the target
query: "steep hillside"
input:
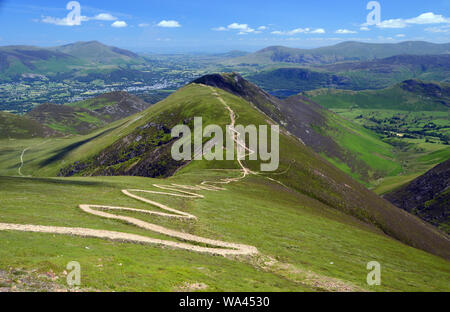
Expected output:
(427, 197)
(410, 95)
(94, 51)
(66, 61)
(66, 119)
(86, 116)
(114, 105)
(142, 147)
(313, 226)
(284, 82)
(349, 146)
(346, 51)
(19, 127)
(20, 60)
(412, 117)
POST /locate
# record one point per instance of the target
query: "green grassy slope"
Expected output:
(304, 171)
(19, 127)
(322, 228)
(290, 81)
(315, 247)
(412, 117)
(66, 119)
(369, 158)
(410, 95)
(356, 150)
(86, 116)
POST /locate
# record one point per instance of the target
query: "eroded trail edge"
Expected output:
(204, 245)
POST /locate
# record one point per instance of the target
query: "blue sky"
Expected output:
(218, 26)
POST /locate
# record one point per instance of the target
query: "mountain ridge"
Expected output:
(411, 94)
(19, 60)
(88, 115)
(95, 51)
(143, 149)
(354, 75)
(20, 127)
(345, 51)
(316, 127)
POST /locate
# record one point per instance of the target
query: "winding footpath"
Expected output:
(203, 245)
(21, 161)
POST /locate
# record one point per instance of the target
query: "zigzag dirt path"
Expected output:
(185, 191)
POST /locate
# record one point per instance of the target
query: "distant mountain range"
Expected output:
(355, 75)
(95, 51)
(20, 60)
(346, 51)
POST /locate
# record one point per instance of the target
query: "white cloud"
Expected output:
(422, 19)
(221, 28)
(400, 36)
(169, 24)
(104, 17)
(68, 22)
(318, 31)
(428, 18)
(364, 28)
(119, 24)
(345, 31)
(63, 21)
(393, 23)
(441, 29)
(241, 27)
(299, 31)
(143, 25)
